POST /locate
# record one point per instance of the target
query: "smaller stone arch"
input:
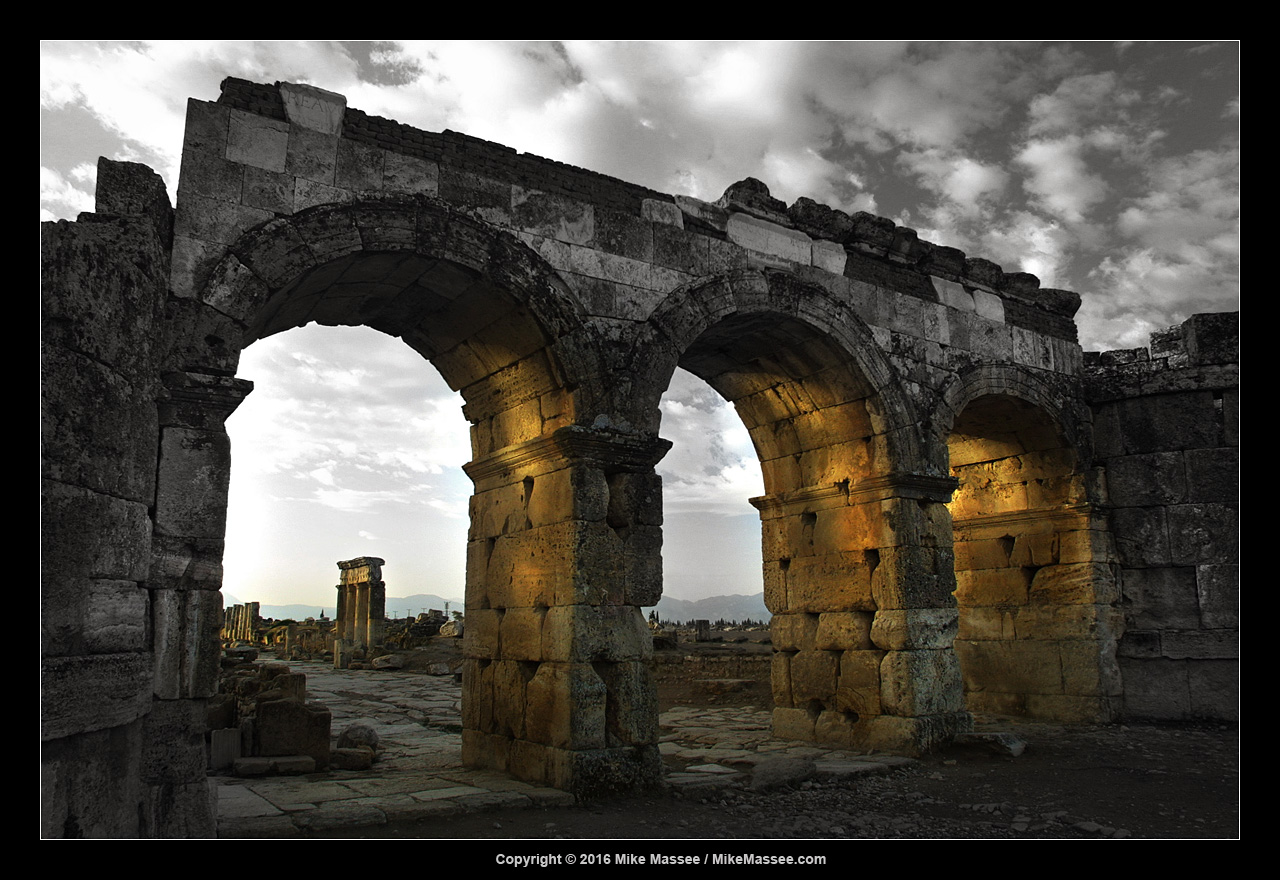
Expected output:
(854, 534)
(1036, 584)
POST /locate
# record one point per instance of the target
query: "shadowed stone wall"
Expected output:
(876, 373)
(1167, 428)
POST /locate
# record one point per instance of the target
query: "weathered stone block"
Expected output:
(1155, 689)
(566, 707)
(193, 478)
(1213, 689)
(510, 706)
(284, 727)
(257, 141)
(173, 742)
(829, 256)
(1162, 598)
(185, 626)
(94, 426)
(775, 587)
(85, 693)
(90, 616)
(588, 633)
(1147, 479)
(1085, 545)
(85, 534)
(1185, 420)
(570, 493)
(481, 637)
(858, 688)
(1203, 533)
(401, 173)
(913, 577)
(921, 683)
(1079, 584)
(552, 215)
(1141, 536)
(521, 633)
(1213, 475)
(1036, 550)
(916, 628)
(359, 167)
(999, 586)
(832, 582)
(1218, 592)
(1023, 667)
(311, 155)
(769, 240)
(1214, 644)
(206, 127)
(814, 675)
(642, 565)
(1098, 624)
(843, 631)
(780, 678)
(908, 736)
(792, 631)
(631, 713)
(985, 623)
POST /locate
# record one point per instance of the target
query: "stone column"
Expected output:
(859, 580)
(184, 581)
(565, 547)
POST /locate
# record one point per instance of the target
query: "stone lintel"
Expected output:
(610, 449)
(361, 562)
(925, 487)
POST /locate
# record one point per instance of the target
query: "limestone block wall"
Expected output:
(1036, 575)
(122, 754)
(1167, 432)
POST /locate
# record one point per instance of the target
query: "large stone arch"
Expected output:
(855, 537)
(555, 688)
(1036, 584)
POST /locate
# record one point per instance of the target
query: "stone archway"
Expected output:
(1036, 583)
(856, 540)
(560, 559)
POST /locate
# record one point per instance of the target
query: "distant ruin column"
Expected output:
(565, 549)
(362, 602)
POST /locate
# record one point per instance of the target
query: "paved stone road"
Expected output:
(420, 775)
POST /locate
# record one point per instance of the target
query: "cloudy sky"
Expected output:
(1111, 169)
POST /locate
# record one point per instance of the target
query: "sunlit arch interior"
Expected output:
(1035, 611)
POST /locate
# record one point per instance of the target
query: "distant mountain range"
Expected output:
(731, 608)
(713, 608)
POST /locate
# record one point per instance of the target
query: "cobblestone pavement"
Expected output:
(420, 774)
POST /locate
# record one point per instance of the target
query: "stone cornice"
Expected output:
(608, 448)
(927, 487)
(1070, 512)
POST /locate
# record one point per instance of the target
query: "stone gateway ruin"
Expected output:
(963, 512)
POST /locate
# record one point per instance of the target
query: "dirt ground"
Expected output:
(1141, 781)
